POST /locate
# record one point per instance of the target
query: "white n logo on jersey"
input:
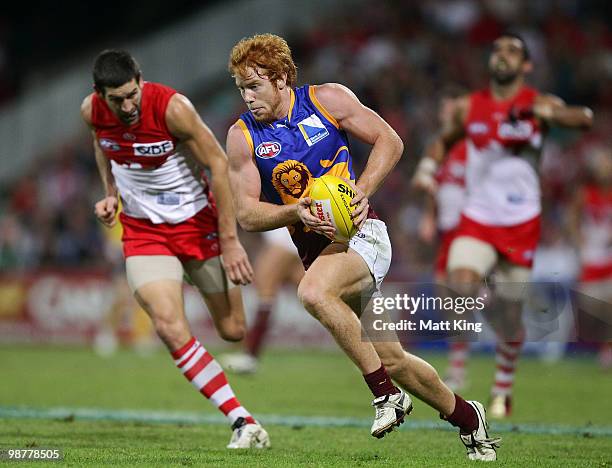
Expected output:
(312, 129)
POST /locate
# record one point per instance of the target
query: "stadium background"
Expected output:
(55, 285)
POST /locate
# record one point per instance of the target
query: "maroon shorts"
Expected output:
(193, 239)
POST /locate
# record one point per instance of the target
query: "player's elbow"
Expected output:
(217, 163)
(396, 146)
(246, 222)
(588, 118)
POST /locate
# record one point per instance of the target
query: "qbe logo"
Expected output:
(268, 149)
(158, 148)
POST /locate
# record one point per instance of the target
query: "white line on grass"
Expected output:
(179, 417)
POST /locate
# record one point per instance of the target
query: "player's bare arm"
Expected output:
(553, 111)
(105, 209)
(427, 224)
(252, 213)
(367, 126)
(184, 122)
(451, 132)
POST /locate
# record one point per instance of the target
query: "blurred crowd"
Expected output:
(397, 57)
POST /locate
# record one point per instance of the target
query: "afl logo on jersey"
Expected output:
(109, 145)
(268, 149)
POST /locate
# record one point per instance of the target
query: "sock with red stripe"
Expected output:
(380, 383)
(457, 356)
(207, 376)
(506, 356)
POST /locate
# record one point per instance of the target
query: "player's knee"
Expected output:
(464, 282)
(311, 295)
(396, 364)
(232, 332)
(170, 326)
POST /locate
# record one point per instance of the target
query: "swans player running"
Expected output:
(170, 219)
(500, 226)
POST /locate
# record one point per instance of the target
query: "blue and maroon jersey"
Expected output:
(292, 152)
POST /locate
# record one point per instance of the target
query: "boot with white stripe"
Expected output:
(246, 436)
(390, 412)
(478, 443)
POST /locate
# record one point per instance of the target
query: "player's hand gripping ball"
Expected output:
(331, 201)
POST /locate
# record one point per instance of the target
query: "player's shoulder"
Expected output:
(332, 91)
(179, 109)
(239, 140)
(86, 108)
(335, 99)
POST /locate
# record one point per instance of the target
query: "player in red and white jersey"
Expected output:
(150, 144)
(442, 215)
(591, 227)
(443, 209)
(504, 125)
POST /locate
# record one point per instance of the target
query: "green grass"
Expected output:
(308, 383)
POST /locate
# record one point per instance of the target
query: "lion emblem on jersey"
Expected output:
(291, 180)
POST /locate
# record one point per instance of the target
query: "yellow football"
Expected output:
(331, 201)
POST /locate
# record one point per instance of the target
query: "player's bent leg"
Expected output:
(511, 288)
(338, 275)
(157, 282)
(222, 297)
(336, 272)
(416, 376)
(157, 285)
(227, 311)
(273, 267)
(421, 379)
(469, 261)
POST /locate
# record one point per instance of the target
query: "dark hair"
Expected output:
(513, 35)
(113, 68)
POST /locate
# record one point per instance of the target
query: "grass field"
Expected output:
(130, 410)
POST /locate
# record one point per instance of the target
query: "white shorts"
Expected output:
(373, 245)
(280, 238)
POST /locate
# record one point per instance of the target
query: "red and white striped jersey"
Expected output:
(503, 145)
(155, 180)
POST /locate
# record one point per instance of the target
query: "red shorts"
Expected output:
(517, 244)
(193, 239)
(596, 272)
(446, 239)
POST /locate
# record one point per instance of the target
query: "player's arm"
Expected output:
(553, 111)
(451, 132)
(369, 127)
(254, 214)
(105, 209)
(185, 123)
(427, 223)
